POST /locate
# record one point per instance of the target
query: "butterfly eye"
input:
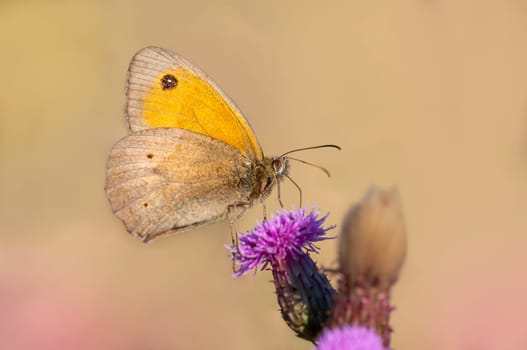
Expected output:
(168, 82)
(279, 165)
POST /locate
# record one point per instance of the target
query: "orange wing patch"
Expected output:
(181, 99)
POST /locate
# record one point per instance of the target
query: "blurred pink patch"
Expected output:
(41, 309)
(482, 304)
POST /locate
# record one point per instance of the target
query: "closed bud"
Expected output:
(372, 243)
(371, 250)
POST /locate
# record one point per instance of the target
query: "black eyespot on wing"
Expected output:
(149, 156)
(168, 82)
(145, 205)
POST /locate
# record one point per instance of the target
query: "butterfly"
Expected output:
(190, 157)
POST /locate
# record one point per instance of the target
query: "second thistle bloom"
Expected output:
(350, 338)
(284, 243)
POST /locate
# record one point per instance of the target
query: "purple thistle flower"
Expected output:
(350, 338)
(284, 242)
(287, 235)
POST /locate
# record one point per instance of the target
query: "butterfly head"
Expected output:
(273, 169)
(279, 166)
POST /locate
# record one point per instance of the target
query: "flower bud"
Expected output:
(371, 250)
(372, 243)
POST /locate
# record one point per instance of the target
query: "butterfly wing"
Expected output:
(164, 90)
(166, 179)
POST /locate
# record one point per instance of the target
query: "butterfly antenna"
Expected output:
(298, 188)
(313, 165)
(305, 162)
(307, 148)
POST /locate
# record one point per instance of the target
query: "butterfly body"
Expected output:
(190, 158)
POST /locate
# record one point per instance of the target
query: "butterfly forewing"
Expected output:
(164, 90)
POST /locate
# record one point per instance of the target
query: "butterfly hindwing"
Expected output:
(170, 179)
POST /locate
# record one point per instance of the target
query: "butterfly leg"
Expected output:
(264, 208)
(278, 194)
(234, 235)
(234, 213)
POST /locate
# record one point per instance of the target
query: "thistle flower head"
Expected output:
(284, 242)
(285, 236)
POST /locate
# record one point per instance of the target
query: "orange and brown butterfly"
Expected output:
(190, 158)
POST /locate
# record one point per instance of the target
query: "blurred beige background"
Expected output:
(429, 95)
